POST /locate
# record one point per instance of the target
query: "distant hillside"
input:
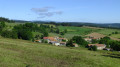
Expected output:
(105, 25)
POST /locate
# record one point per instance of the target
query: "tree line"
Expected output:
(2, 19)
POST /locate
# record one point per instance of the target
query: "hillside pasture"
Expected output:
(116, 36)
(106, 31)
(21, 53)
(76, 30)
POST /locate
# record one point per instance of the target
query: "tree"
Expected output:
(45, 34)
(115, 45)
(9, 34)
(79, 40)
(70, 43)
(57, 31)
(2, 25)
(94, 48)
(116, 32)
(62, 33)
(94, 41)
(105, 40)
(65, 30)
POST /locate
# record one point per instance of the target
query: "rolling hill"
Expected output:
(21, 53)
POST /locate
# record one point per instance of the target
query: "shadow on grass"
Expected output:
(113, 55)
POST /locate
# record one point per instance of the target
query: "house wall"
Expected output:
(100, 48)
(57, 44)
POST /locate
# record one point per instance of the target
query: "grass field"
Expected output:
(21, 53)
(75, 31)
(107, 31)
(116, 36)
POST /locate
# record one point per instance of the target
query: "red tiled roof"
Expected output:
(75, 44)
(45, 37)
(98, 45)
(50, 38)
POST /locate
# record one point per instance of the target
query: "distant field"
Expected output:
(107, 31)
(13, 24)
(116, 36)
(21, 53)
(76, 30)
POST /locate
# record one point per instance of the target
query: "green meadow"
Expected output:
(73, 31)
(107, 31)
(21, 53)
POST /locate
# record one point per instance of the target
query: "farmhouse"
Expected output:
(39, 41)
(88, 39)
(49, 39)
(99, 46)
(55, 41)
(75, 45)
(63, 43)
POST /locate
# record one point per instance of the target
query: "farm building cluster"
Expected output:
(96, 36)
(58, 41)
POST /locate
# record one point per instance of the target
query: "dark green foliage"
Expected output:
(116, 32)
(94, 48)
(115, 45)
(25, 31)
(2, 19)
(63, 40)
(57, 31)
(105, 40)
(45, 34)
(37, 37)
(94, 41)
(79, 40)
(25, 34)
(70, 43)
(2, 25)
(9, 34)
(62, 33)
(65, 30)
(33, 40)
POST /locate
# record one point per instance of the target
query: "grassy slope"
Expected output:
(108, 31)
(75, 31)
(116, 36)
(19, 53)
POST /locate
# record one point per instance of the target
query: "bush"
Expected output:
(70, 43)
(94, 48)
(9, 34)
(79, 40)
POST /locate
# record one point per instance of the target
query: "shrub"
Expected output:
(9, 34)
(94, 48)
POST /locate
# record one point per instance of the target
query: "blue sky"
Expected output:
(97, 11)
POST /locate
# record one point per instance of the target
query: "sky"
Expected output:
(95, 11)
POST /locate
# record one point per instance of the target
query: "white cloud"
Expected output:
(46, 12)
